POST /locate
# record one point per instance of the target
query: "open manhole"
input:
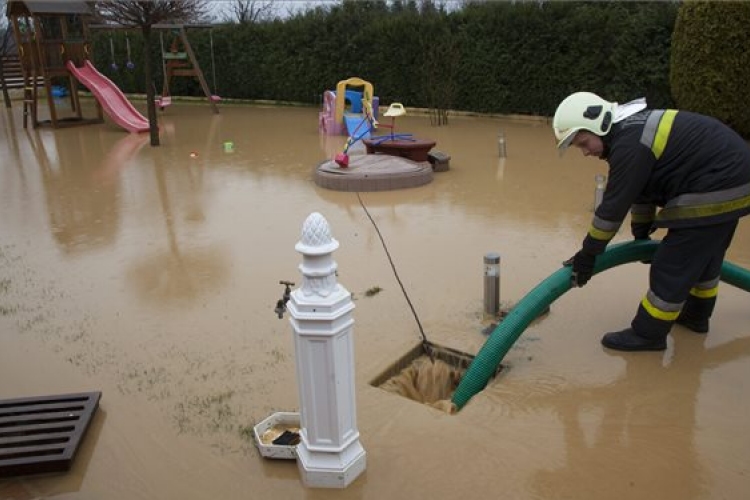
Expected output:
(42, 434)
(416, 377)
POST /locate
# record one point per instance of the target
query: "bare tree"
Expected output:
(248, 11)
(145, 14)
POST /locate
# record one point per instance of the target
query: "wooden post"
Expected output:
(27, 56)
(43, 66)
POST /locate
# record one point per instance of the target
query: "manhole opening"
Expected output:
(415, 377)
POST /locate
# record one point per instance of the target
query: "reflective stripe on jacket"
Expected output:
(695, 168)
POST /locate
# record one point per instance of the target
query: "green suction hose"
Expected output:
(545, 293)
(735, 275)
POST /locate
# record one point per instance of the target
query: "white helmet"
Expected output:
(582, 111)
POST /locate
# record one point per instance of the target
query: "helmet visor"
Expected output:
(566, 138)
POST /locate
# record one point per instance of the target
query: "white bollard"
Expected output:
(329, 454)
(501, 150)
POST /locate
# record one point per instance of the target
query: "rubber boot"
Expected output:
(629, 340)
(696, 313)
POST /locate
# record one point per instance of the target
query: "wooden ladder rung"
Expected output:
(184, 72)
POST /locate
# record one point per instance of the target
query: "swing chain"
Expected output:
(113, 65)
(129, 64)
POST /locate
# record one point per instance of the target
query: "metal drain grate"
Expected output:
(42, 434)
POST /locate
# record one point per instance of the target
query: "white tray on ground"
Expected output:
(271, 428)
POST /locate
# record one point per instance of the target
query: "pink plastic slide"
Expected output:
(109, 95)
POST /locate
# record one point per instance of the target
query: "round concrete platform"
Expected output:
(373, 172)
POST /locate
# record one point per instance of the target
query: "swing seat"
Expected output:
(216, 98)
(164, 101)
(177, 56)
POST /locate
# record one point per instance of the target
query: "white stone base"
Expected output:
(331, 470)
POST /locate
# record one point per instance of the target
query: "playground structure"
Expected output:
(180, 60)
(360, 121)
(48, 35)
(364, 127)
(393, 161)
(335, 119)
(54, 45)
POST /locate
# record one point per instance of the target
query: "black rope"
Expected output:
(425, 342)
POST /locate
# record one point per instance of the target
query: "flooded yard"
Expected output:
(151, 274)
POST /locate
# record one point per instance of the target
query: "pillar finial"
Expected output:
(316, 236)
(318, 267)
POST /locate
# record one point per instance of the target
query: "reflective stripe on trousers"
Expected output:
(687, 262)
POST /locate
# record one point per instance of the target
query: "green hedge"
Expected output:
(711, 61)
(490, 57)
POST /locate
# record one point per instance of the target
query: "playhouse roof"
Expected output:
(16, 7)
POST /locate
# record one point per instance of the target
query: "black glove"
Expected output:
(641, 230)
(583, 268)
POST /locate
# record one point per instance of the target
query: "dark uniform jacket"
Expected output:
(692, 166)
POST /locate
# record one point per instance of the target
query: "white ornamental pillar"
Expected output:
(329, 454)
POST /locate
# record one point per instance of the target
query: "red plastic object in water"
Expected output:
(342, 159)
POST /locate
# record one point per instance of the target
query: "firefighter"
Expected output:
(695, 170)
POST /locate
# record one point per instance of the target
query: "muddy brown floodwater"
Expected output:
(151, 274)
